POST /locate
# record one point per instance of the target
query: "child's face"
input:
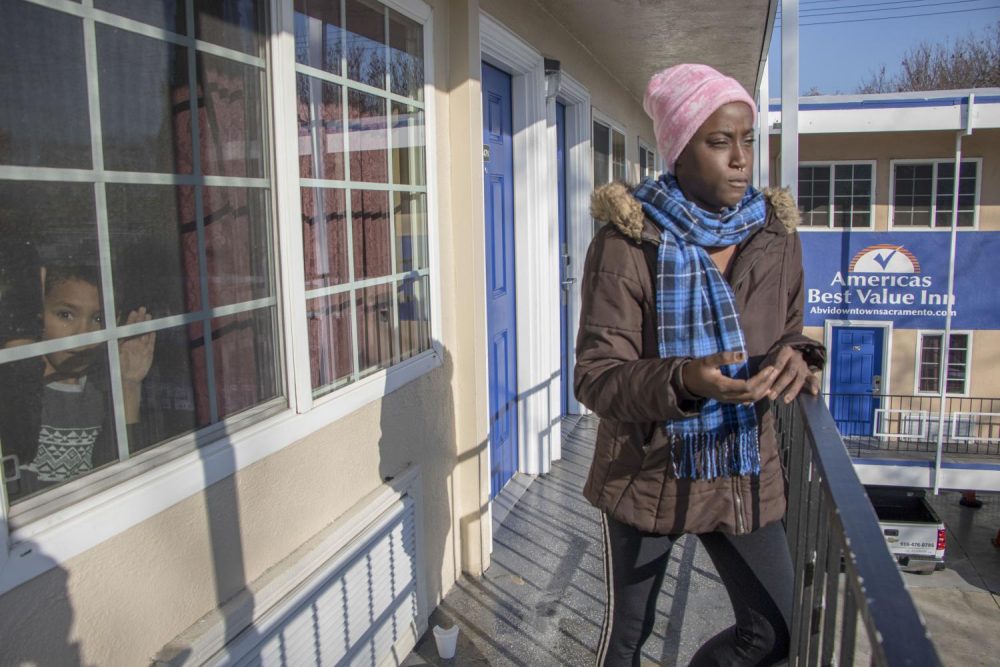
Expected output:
(72, 307)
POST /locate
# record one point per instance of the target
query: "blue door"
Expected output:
(856, 378)
(564, 270)
(498, 161)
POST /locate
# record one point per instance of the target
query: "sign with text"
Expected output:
(901, 277)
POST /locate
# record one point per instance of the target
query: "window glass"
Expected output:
(365, 231)
(837, 195)
(231, 117)
(234, 24)
(145, 103)
(930, 363)
(618, 155)
(602, 154)
(406, 53)
(366, 46)
(318, 35)
(924, 194)
(42, 125)
(167, 14)
(137, 304)
(321, 129)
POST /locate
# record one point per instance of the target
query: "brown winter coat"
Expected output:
(620, 376)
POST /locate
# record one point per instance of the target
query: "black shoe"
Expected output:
(974, 504)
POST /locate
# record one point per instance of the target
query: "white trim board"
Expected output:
(579, 186)
(536, 248)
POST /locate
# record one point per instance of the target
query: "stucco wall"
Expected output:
(883, 147)
(530, 22)
(120, 602)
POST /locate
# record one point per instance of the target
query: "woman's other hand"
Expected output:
(703, 377)
(791, 375)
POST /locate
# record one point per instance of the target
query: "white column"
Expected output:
(790, 95)
(761, 165)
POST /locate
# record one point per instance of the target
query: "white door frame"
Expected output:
(536, 248)
(886, 327)
(579, 230)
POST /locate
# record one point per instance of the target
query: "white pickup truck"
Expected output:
(912, 529)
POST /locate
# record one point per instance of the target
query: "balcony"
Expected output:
(542, 600)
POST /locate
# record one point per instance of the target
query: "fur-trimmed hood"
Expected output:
(614, 203)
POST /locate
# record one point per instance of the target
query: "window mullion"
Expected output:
(103, 237)
(348, 203)
(199, 214)
(390, 203)
(829, 195)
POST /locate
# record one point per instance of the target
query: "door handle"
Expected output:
(567, 282)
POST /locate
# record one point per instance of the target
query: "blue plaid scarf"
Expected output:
(696, 316)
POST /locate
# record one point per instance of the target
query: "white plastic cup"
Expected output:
(446, 641)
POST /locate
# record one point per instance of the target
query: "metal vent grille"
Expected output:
(352, 611)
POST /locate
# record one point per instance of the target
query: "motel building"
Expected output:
(341, 243)
(876, 187)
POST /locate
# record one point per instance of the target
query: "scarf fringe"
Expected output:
(711, 455)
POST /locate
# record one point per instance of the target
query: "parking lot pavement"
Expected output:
(961, 604)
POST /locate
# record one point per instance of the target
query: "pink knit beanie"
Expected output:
(680, 98)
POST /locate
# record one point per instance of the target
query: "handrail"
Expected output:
(832, 528)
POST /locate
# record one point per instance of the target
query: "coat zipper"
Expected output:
(740, 526)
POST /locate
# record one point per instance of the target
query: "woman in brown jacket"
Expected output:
(691, 325)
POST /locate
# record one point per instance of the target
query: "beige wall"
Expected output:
(120, 602)
(883, 147)
(530, 22)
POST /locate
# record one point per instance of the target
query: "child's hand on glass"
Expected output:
(136, 353)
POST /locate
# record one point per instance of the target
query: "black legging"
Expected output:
(756, 569)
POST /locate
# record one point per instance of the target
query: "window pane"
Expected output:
(237, 244)
(406, 51)
(44, 118)
(618, 155)
(154, 242)
(375, 330)
(372, 245)
(321, 129)
(410, 217)
(367, 137)
(602, 154)
(56, 422)
(236, 24)
(167, 14)
(231, 121)
(324, 237)
(170, 394)
(414, 317)
(244, 359)
(145, 109)
(366, 42)
(330, 347)
(407, 145)
(318, 34)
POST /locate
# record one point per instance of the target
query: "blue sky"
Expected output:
(838, 57)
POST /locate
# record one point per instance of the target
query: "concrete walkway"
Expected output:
(961, 605)
(542, 600)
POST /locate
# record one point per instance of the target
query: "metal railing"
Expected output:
(901, 423)
(843, 570)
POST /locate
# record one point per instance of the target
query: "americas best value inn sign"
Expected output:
(901, 277)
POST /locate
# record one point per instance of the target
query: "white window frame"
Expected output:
(597, 116)
(36, 540)
(934, 180)
(831, 164)
(966, 381)
(643, 146)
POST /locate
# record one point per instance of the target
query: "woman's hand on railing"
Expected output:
(791, 375)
